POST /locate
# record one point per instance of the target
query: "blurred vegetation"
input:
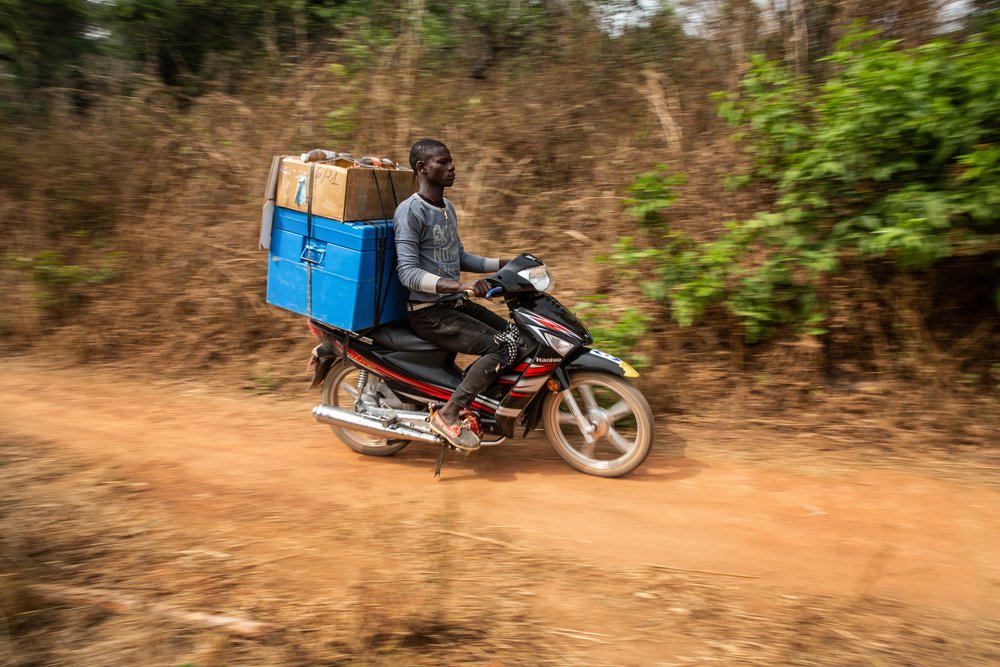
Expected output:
(618, 330)
(849, 231)
(894, 156)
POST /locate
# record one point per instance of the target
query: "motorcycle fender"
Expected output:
(590, 359)
(322, 360)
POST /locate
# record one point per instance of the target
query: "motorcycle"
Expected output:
(380, 387)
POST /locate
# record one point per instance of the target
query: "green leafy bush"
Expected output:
(652, 192)
(894, 157)
(615, 331)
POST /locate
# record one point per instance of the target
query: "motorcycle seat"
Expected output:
(400, 337)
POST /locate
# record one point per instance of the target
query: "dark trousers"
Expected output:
(467, 328)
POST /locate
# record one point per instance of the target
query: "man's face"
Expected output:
(438, 168)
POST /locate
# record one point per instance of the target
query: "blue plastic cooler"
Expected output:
(336, 273)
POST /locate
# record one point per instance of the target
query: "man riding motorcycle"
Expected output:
(430, 259)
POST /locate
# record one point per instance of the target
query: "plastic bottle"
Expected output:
(377, 162)
(347, 160)
(318, 155)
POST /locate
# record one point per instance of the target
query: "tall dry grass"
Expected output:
(165, 198)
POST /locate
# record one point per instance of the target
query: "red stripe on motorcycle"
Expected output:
(433, 390)
(539, 370)
(381, 370)
(546, 322)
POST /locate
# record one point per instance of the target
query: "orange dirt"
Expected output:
(225, 462)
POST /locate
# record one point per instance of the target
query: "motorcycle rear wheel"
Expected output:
(340, 389)
(621, 417)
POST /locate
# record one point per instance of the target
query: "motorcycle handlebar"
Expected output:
(495, 291)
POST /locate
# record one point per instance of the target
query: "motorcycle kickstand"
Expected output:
(444, 449)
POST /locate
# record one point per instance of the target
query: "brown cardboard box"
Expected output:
(344, 193)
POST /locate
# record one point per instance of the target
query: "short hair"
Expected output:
(422, 149)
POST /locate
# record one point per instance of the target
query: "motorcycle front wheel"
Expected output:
(619, 416)
(340, 389)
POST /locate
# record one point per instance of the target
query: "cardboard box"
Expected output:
(340, 192)
(340, 273)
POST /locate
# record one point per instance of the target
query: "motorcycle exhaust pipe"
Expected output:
(327, 414)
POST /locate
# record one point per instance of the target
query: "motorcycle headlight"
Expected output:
(539, 277)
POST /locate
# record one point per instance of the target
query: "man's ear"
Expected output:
(419, 165)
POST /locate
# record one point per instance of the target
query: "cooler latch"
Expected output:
(312, 254)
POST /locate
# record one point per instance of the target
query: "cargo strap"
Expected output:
(381, 249)
(309, 233)
(395, 197)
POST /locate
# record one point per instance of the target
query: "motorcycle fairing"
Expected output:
(541, 306)
(534, 372)
(437, 367)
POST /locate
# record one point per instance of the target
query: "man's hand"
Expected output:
(477, 287)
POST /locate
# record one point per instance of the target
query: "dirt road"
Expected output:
(254, 477)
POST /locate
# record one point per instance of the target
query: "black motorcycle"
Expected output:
(380, 386)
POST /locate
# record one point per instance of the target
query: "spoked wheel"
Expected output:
(340, 389)
(620, 419)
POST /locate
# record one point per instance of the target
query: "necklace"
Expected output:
(442, 208)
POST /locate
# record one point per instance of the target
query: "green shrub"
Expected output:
(894, 157)
(615, 331)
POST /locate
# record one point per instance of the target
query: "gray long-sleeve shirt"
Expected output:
(428, 248)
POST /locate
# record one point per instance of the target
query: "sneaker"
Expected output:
(454, 434)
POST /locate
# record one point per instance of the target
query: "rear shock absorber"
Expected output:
(362, 381)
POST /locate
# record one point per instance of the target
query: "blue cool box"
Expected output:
(336, 268)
